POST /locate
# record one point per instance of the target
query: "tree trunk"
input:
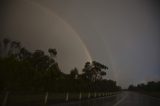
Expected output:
(46, 98)
(67, 96)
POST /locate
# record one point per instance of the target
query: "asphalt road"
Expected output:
(137, 99)
(122, 99)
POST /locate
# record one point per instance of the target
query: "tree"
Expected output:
(37, 71)
(74, 73)
(14, 49)
(24, 54)
(5, 47)
(98, 70)
(87, 71)
(151, 86)
(52, 52)
(131, 87)
(94, 71)
(6, 42)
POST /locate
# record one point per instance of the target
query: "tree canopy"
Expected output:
(21, 69)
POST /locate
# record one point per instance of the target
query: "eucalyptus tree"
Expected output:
(6, 44)
(25, 54)
(52, 52)
(98, 70)
(74, 73)
(87, 71)
(14, 49)
(94, 71)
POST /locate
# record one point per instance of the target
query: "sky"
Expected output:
(124, 35)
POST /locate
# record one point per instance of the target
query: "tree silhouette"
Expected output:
(151, 86)
(22, 70)
(94, 71)
(14, 49)
(74, 73)
(24, 54)
(52, 52)
(6, 42)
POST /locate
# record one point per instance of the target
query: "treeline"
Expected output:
(22, 70)
(151, 86)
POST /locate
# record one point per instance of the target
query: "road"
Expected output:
(122, 99)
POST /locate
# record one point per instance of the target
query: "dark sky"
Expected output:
(121, 34)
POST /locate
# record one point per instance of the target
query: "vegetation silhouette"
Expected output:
(22, 70)
(150, 86)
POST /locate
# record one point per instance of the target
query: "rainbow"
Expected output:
(88, 55)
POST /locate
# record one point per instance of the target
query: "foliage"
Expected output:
(22, 70)
(151, 86)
